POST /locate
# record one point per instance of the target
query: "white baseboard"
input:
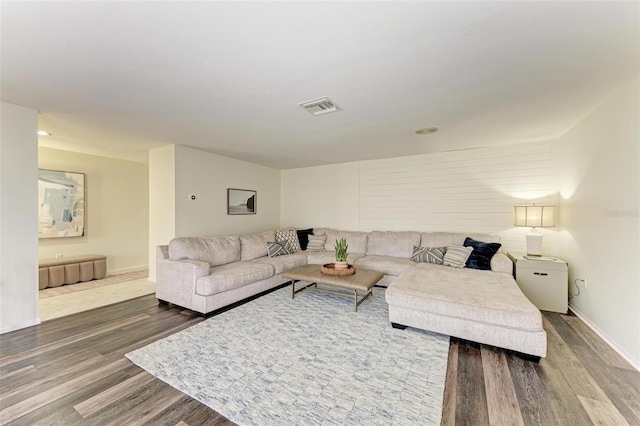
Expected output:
(15, 327)
(624, 354)
(126, 270)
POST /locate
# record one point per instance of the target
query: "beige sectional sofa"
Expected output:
(206, 274)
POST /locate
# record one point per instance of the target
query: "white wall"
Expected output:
(207, 176)
(117, 213)
(18, 217)
(461, 191)
(177, 172)
(162, 212)
(600, 217)
(323, 196)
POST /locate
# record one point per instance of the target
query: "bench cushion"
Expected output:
(44, 263)
(484, 296)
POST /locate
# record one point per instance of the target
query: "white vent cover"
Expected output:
(320, 106)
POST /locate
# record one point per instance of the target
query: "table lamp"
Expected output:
(535, 217)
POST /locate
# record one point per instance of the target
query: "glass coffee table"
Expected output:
(363, 280)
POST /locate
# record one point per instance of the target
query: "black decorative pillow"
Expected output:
(482, 253)
(275, 249)
(303, 237)
(428, 254)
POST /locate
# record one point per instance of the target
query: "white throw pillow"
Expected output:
(316, 242)
(456, 256)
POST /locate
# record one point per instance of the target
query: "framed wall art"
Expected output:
(61, 204)
(241, 201)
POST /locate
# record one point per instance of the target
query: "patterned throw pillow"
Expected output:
(428, 254)
(457, 256)
(482, 253)
(290, 238)
(316, 242)
(275, 249)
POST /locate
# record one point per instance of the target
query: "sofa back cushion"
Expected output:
(444, 239)
(396, 244)
(254, 246)
(357, 241)
(214, 250)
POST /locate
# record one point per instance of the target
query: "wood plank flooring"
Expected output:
(72, 371)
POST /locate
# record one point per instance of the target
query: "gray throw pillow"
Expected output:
(428, 254)
(275, 249)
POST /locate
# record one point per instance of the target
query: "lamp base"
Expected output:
(534, 244)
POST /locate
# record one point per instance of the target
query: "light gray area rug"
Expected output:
(307, 361)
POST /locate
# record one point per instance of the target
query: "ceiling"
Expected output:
(120, 78)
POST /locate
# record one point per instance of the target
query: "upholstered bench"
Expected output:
(70, 270)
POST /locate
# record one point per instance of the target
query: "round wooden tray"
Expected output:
(329, 269)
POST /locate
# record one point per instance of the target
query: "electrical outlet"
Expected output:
(582, 280)
(59, 255)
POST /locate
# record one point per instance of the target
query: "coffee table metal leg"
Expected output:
(293, 287)
(358, 302)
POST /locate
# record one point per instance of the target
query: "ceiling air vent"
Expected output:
(320, 106)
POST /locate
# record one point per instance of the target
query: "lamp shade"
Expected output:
(535, 216)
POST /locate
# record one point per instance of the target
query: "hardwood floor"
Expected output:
(72, 371)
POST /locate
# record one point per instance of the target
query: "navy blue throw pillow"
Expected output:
(303, 237)
(481, 255)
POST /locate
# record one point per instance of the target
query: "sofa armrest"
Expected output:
(162, 252)
(176, 279)
(501, 263)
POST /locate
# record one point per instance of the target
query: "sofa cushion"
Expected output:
(254, 246)
(322, 257)
(481, 255)
(357, 240)
(428, 255)
(214, 250)
(387, 265)
(444, 239)
(456, 256)
(283, 263)
(482, 296)
(290, 238)
(303, 237)
(232, 275)
(275, 249)
(396, 244)
(316, 242)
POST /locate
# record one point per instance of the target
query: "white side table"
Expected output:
(544, 282)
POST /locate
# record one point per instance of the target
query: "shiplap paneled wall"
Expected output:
(461, 191)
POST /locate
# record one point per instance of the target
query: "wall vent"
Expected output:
(320, 106)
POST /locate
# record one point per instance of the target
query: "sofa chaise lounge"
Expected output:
(206, 274)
